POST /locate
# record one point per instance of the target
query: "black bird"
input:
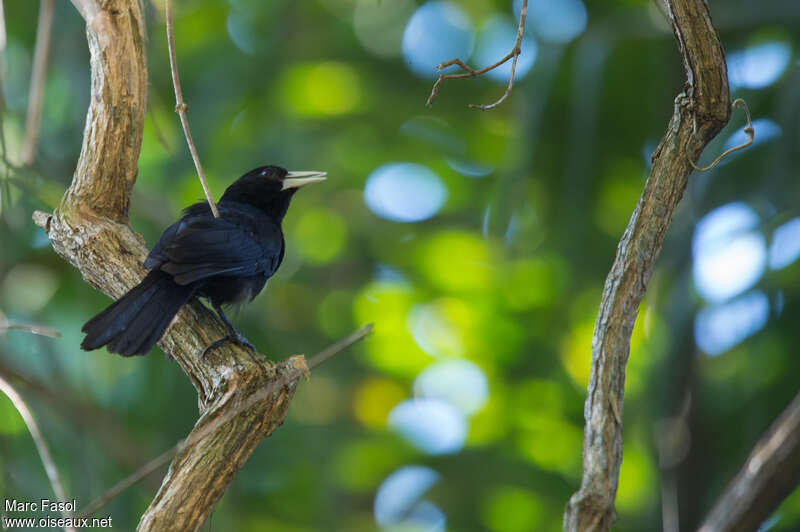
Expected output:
(226, 260)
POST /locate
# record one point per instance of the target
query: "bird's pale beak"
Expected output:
(301, 179)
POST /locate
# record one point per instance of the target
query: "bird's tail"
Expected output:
(135, 322)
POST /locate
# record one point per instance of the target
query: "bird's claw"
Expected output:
(235, 338)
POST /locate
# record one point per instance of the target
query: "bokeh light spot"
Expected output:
(457, 261)
(720, 327)
(437, 32)
(512, 509)
(439, 328)
(556, 21)
(322, 89)
(552, 443)
(729, 256)
(636, 480)
(576, 354)
(490, 423)
(391, 347)
(785, 246)
(535, 283)
(401, 492)
(459, 382)
(758, 66)
(432, 425)
(374, 399)
(404, 192)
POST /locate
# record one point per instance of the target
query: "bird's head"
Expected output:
(270, 188)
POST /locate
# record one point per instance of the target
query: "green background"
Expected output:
(506, 276)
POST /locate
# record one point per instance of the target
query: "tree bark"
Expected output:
(90, 230)
(770, 473)
(700, 112)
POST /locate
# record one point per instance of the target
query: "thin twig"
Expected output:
(300, 369)
(749, 131)
(181, 107)
(471, 73)
(32, 328)
(38, 440)
(38, 75)
(344, 343)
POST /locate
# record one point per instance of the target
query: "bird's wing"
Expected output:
(158, 255)
(199, 247)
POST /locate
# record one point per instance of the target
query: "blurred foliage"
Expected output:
(504, 270)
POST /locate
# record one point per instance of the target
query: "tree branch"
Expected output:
(181, 107)
(700, 112)
(299, 368)
(89, 229)
(41, 54)
(770, 473)
(469, 72)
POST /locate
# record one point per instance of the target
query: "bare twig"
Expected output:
(770, 473)
(749, 131)
(471, 73)
(700, 112)
(32, 328)
(181, 107)
(344, 343)
(38, 440)
(38, 75)
(300, 368)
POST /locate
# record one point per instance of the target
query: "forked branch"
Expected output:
(469, 72)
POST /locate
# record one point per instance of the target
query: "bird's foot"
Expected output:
(236, 338)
